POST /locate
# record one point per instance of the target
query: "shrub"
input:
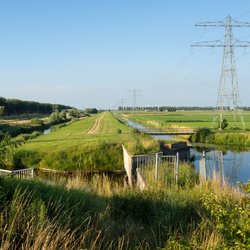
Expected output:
(26, 159)
(37, 121)
(203, 135)
(230, 218)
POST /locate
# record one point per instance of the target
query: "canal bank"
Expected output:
(232, 164)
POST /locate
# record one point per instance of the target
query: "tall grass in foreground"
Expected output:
(97, 213)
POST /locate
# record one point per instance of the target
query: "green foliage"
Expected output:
(1, 110)
(203, 135)
(239, 139)
(224, 124)
(33, 215)
(17, 107)
(26, 159)
(37, 121)
(74, 113)
(188, 177)
(91, 111)
(230, 218)
(7, 149)
(106, 156)
(25, 137)
(71, 147)
(158, 209)
(35, 206)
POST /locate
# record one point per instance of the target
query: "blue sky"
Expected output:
(90, 53)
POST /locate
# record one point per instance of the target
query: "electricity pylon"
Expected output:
(135, 93)
(228, 95)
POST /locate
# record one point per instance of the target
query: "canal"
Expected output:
(231, 164)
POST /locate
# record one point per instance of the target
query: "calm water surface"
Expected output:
(234, 167)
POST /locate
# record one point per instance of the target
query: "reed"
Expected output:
(104, 213)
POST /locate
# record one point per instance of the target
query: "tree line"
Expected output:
(19, 107)
(173, 108)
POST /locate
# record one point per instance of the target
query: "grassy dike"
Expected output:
(100, 214)
(93, 143)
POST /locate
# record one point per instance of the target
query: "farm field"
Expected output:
(185, 119)
(89, 144)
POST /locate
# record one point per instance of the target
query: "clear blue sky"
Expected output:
(90, 53)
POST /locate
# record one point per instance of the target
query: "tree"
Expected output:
(55, 117)
(74, 113)
(91, 111)
(224, 124)
(63, 115)
(7, 148)
(1, 110)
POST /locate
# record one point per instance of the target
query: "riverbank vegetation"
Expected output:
(93, 143)
(183, 119)
(206, 135)
(199, 123)
(77, 213)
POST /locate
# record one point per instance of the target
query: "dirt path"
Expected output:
(96, 125)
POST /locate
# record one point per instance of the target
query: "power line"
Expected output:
(135, 94)
(228, 94)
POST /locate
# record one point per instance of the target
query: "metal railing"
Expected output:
(158, 167)
(22, 173)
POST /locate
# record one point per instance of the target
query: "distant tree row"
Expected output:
(172, 108)
(18, 107)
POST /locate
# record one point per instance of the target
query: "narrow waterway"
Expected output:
(140, 127)
(47, 131)
(231, 165)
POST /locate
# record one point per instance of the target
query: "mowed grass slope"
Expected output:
(94, 143)
(76, 134)
(185, 119)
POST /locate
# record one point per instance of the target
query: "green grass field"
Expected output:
(76, 134)
(100, 213)
(185, 119)
(94, 143)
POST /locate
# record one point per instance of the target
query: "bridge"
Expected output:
(170, 133)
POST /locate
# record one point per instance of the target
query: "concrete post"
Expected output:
(203, 167)
(177, 168)
(157, 164)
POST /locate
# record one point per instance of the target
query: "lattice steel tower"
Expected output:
(228, 100)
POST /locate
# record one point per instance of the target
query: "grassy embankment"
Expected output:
(100, 214)
(196, 120)
(93, 143)
(27, 126)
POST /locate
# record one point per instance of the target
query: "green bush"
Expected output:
(230, 219)
(37, 121)
(203, 135)
(26, 159)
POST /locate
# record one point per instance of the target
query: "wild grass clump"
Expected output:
(100, 213)
(105, 156)
(37, 216)
(141, 143)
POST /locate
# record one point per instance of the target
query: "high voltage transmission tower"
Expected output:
(228, 96)
(135, 93)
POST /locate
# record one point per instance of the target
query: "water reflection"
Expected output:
(232, 167)
(140, 127)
